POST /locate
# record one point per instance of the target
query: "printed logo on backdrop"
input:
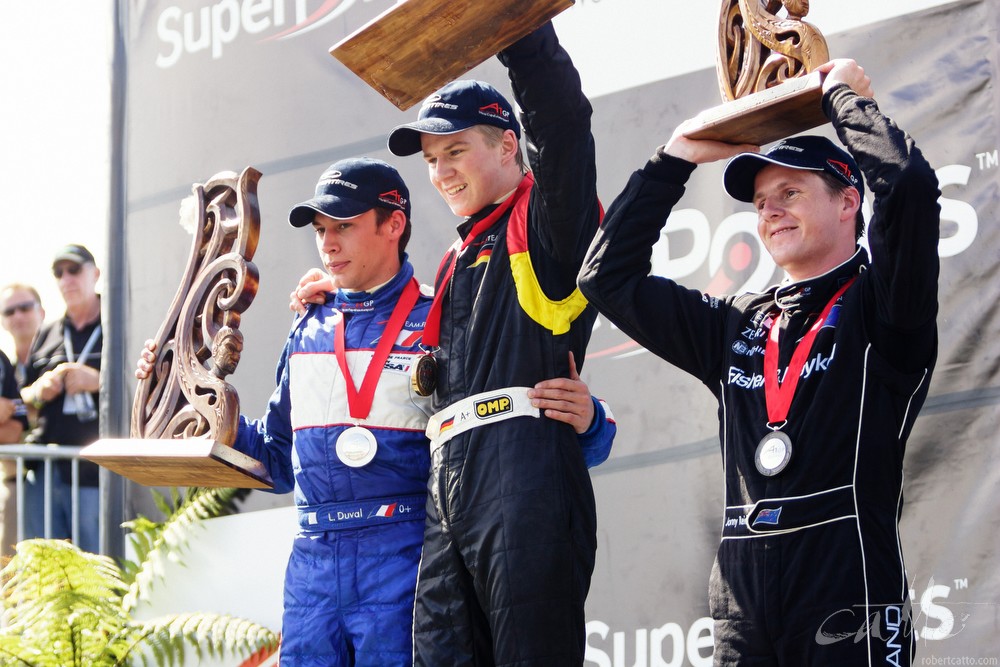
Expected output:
(210, 30)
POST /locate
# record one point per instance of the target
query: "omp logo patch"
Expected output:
(490, 407)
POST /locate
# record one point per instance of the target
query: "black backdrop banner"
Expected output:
(221, 85)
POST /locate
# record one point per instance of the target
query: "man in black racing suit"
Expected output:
(511, 527)
(809, 570)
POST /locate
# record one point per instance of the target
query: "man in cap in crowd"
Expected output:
(809, 570)
(21, 315)
(345, 426)
(61, 383)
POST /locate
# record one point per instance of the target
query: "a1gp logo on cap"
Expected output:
(493, 406)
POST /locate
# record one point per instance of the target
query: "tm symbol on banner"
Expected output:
(988, 160)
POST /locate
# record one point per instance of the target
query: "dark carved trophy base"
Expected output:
(417, 46)
(185, 415)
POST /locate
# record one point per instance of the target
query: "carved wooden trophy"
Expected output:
(765, 66)
(417, 46)
(185, 414)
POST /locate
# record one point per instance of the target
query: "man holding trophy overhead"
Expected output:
(511, 529)
(809, 570)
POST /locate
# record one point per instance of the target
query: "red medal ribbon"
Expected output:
(778, 397)
(360, 404)
(432, 330)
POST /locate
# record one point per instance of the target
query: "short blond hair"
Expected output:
(494, 135)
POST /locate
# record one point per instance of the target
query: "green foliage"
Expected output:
(155, 541)
(64, 607)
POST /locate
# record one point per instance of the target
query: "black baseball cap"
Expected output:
(350, 187)
(453, 108)
(811, 153)
(75, 253)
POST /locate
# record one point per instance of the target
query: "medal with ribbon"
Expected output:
(356, 446)
(775, 449)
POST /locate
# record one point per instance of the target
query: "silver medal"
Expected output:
(773, 453)
(356, 447)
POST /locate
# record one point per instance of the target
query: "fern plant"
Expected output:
(64, 607)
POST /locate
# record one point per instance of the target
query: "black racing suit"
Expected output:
(511, 523)
(809, 556)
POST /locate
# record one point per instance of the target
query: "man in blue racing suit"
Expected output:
(345, 428)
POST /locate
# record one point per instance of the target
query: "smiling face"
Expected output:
(806, 229)
(358, 253)
(469, 171)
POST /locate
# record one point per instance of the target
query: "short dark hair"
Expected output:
(835, 186)
(382, 214)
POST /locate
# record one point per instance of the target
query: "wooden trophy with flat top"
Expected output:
(185, 415)
(417, 46)
(766, 66)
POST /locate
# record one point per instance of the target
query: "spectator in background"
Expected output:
(21, 315)
(62, 384)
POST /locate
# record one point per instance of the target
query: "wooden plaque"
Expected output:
(765, 66)
(185, 415)
(189, 462)
(786, 109)
(417, 46)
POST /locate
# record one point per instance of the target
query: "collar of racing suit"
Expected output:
(347, 300)
(813, 293)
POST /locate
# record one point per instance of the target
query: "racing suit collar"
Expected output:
(792, 296)
(348, 300)
(465, 227)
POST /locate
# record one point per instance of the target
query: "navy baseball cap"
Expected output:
(811, 153)
(75, 253)
(350, 187)
(453, 108)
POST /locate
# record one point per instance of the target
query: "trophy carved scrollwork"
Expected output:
(759, 49)
(199, 343)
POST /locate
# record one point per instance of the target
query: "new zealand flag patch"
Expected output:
(768, 517)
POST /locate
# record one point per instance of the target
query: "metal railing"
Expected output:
(48, 455)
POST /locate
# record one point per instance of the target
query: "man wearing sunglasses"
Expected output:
(21, 315)
(62, 384)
